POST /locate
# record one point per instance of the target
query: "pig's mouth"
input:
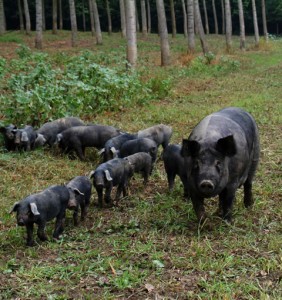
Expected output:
(21, 223)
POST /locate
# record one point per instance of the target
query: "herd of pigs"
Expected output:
(220, 155)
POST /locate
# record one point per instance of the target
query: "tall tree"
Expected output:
(73, 23)
(110, 30)
(191, 26)
(255, 20)
(98, 31)
(265, 33)
(173, 20)
(91, 13)
(223, 16)
(83, 16)
(131, 33)
(206, 17)
(60, 15)
(144, 18)
(55, 17)
(20, 15)
(185, 29)
(242, 25)
(228, 26)
(38, 36)
(149, 16)
(2, 18)
(27, 18)
(215, 17)
(165, 51)
(199, 24)
(122, 18)
(137, 17)
(43, 16)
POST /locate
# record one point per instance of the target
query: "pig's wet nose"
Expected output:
(21, 223)
(207, 186)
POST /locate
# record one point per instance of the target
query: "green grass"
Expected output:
(151, 246)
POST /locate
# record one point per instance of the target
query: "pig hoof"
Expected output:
(30, 244)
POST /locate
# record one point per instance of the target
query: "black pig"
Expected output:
(40, 208)
(141, 162)
(79, 137)
(174, 165)
(221, 154)
(47, 133)
(139, 145)
(9, 136)
(25, 138)
(115, 172)
(80, 193)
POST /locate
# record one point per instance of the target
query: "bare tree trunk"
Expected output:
(144, 19)
(122, 18)
(264, 22)
(137, 18)
(228, 26)
(60, 15)
(206, 18)
(110, 30)
(131, 33)
(165, 51)
(185, 29)
(27, 17)
(191, 26)
(21, 16)
(55, 17)
(223, 16)
(2, 18)
(242, 26)
(38, 36)
(91, 13)
(149, 16)
(43, 16)
(255, 23)
(215, 17)
(83, 16)
(97, 24)
(173, 21)
(200, 27)
(73, 23)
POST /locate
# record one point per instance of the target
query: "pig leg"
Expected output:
(41, 231)
(226, 199)
(170, 180)
(83, 209)
(59, 225)
(80, 152)
(186, 187)
(100, 196)
(75, 217)
(198, 205)
(248, 195)
(29, 239)
(108, 198)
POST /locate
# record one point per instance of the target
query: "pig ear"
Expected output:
(91, 174)
(108, 175)
(24, 137)
(14, 131)
(226, 146)
(113, 149)
(59, 138)
(15, 207)
(189, 148)
(101, 151)
(34, 209)
(77, 191)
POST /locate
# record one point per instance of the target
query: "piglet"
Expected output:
(40, 208)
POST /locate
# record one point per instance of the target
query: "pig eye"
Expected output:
(218, 166)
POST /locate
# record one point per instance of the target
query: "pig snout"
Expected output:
(21, 221)
(206, 187)
(72, 204)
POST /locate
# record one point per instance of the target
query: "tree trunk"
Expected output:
(97, 24)
(185, 29)
(165, 51)
(200, 27)
(144, 19)
(149, 16)
(73, 23)
(206, 18)
(215, 17)
(191, 26)
(255, 23)
(242, 26)
(122, 18)
(55, 17)
(91, 13)
(173, 21)
(27, 17)
(131, 33)
(228, 26)
(223, 16)
(21, 16)
(43, 16)
(2, 18)
(38, 36)
(137, 18)
(110, 30)
(264, 22)
(83, 16)
(61, 15)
